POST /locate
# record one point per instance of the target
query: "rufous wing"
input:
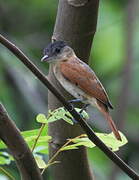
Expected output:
(82, 76)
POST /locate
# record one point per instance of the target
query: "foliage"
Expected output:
(38, 139)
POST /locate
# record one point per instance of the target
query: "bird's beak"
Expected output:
(44, 58)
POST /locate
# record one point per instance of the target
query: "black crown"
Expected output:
(55, 47)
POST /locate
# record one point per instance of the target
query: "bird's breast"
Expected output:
(73, 89)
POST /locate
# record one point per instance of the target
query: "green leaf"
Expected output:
(61, 113)
(41, 138)
(112, 142)
(41, 149)
(2, 145)
(42, 141)
(35, 132)
(4, 160)
(31, 135)
(40, 162)
(55, 115)
(69, 147)
(108, 139)
(41, 118)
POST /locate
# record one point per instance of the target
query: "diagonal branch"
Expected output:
(11, 136)
(91, 135)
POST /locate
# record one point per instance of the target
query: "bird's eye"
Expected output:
(57, 50)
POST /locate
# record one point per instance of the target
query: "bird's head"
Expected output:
(57, 51)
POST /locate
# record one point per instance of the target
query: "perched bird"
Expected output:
(78, 79)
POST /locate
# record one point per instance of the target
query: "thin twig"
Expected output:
(91, 135)
(40, 131)
(59, 150)
(36, 140)
(7, 173)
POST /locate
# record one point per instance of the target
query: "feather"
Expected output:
(104, 110)
(81, 75)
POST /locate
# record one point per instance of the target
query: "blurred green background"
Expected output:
(114, 58)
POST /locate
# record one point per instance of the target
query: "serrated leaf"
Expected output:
(41, 118)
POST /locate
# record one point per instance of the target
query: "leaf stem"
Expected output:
(7, 173)
(59, 150)
(39, 134)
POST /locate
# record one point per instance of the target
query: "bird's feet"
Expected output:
(75, 100)
(82, 109)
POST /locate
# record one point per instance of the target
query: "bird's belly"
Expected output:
(73, 90)
(68, 86)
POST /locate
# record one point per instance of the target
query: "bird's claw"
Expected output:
(84, 108)
(75, 100)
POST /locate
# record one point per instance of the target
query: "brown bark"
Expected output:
(75, 24)
(11, 136)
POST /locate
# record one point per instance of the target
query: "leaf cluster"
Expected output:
(38, 139)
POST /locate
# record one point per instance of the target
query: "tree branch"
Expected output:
(91, 135)
(11, 136)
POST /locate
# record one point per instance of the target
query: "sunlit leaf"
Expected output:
(40, 162)
(4, 160)
(108, 139)
(61, 113)
(2, 145)
(69, 147)
(112, 142)
(41, 118)
(43, 149)
(42, 141)
(35, 132)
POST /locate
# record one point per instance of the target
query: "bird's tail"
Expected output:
(111, 123)
(112, 126)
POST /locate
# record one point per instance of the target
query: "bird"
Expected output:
(77, 78)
